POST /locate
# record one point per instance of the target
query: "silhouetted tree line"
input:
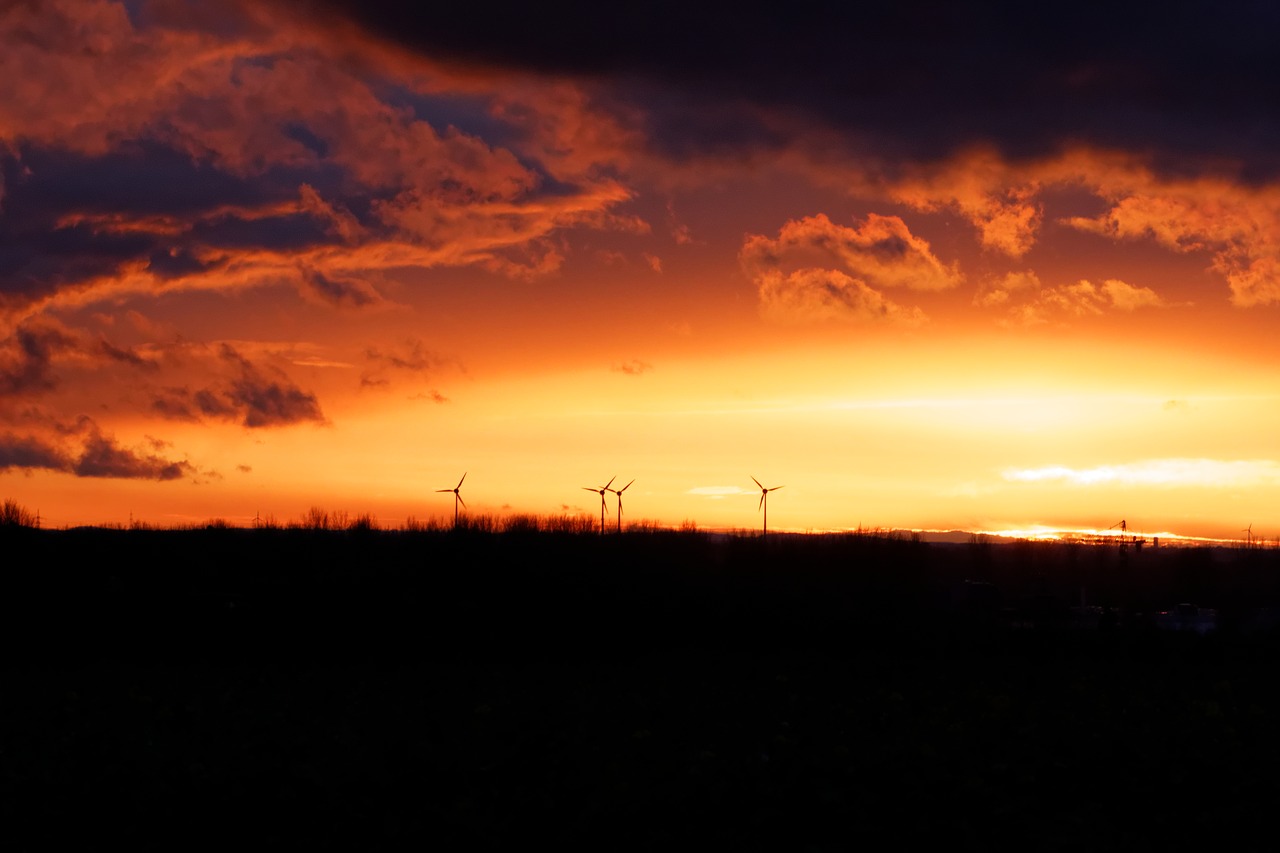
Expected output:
(546, 584)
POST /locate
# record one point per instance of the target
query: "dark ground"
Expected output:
(372, 689)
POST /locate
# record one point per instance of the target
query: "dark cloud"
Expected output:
(28, 453)
(126, 356)
(102, 457)
(142, 176)
(174, 406)
(175, 262)
(25, 359)
(38, 258)
(915, 79)
(251, 397)
(211, 404)
(70, 218)
(266, 402)
(284, 233)
(339, 292)
(412, 356)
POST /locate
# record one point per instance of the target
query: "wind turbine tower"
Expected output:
(764, 503)
(619, 492)
(457, 499)
(600, 491)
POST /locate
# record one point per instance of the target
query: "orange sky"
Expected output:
(256, 261)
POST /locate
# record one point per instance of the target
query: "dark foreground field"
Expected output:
(373, 689)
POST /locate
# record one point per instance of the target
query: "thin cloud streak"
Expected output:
(716, 492)
(1202, 473)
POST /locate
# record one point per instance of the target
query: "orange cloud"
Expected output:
(814, 294)
(1126, 297)
(998, 292)
(1084, 299)
(1236, 224)
(1239, 226)
(987, 192)
(882, 252)
(268, 92)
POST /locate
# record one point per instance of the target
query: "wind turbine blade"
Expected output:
(624, 488)
(459, 486)
(757, 482)
(589, 489)
(775, 488)
(460, 500)
(611, 479)
(444, 490)
(762, 494)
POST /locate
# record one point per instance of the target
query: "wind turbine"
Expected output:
(764, 502)
(601, 491)
(457, 499)
(619, 492)
(1248, 534)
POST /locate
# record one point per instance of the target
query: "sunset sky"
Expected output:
(924, 265)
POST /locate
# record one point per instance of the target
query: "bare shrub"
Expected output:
(478, 523)
(413, 524)
(570, 524)
(363, 522)
(14, 514)
(315, 518)
(521, 523)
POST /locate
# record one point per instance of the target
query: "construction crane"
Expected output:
(1124, 530)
